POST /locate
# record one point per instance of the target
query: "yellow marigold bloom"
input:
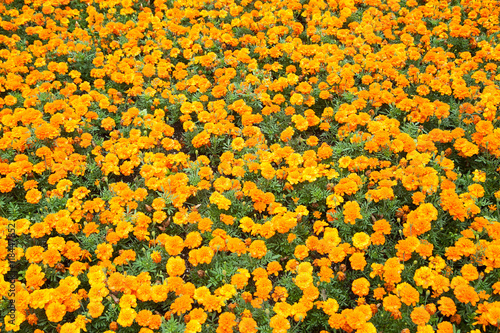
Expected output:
(296, 99)
(479, 176)
(219, 200)
(128, 301)
(361, 240)
(303, 280)
(238, 144)
(301, 252)
(126, 317)
(55, 311)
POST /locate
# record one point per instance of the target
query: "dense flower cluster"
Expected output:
(242, 166)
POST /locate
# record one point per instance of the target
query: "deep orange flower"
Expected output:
(392, 303)
(420, 316)
(358, 261)
(360, 287)
(408, 294)
(6, 184)
(257, 249)
(182, 304)
(466, 294)
(351, 212)
(227, 321)
(247, 325)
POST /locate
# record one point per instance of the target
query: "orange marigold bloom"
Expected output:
(34, 254)
(274, 267)
(176, 266)
(445, 327)
(104, 251)
(35, 278)
(55, 311)
(358, 261)
(193, 240)
(419, 220)
(247, 325)
(296, 99)
(287, 134)
(6, 184)
(258, 249)
(392, 303)
(126, 317)
(351, 212)
(90, 228)
(173, 245)
(360, 287)
(182, 304)
(144, 317)
(377, 238)
(95, 308)
(279, 324)
(33, 196)
(301, 252)
(420, 316)
(408, 294)
(227, 321)
(466, 294)
(469, 272)
(425, 248)
(156, 256)
(201, 139)
(51, 257)
(379, 293)
(240, 279)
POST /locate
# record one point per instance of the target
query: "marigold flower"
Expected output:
(420, 316)
(469, 272)
(408, 294)
(182, 304)
(392, 303)
(361, 240)
(6, 184)
(175, 266)
(479, 176)
(247, 325)
(301, 252)
(227, 321)
(55, 311)
(35, 278)
(126, 317)
(258, 249)
(466, 294)
(360, 287)
(445, 327)
(357, 261)
(238, 144)
(351, 212)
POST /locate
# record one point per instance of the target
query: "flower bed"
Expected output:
(242, 166)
